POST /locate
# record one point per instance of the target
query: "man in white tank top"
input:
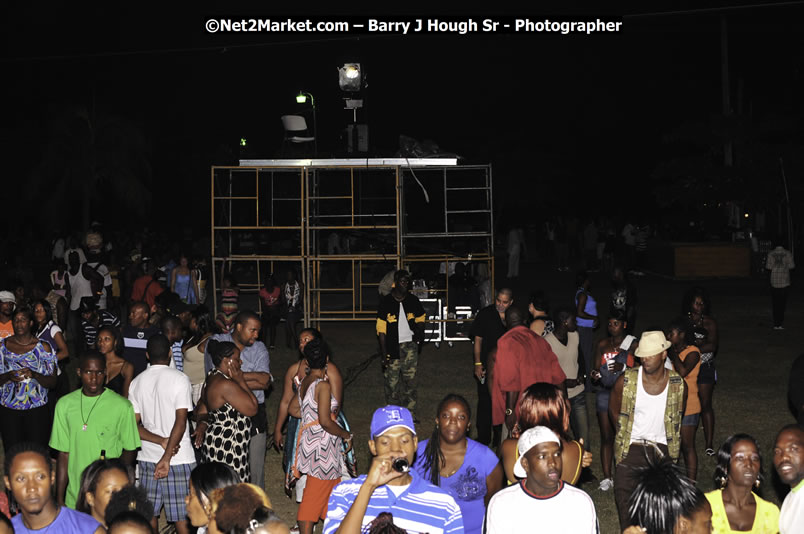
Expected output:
(648, 428)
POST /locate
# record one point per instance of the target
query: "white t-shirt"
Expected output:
(156, 394)
(398, 490)
(515, 509)
(405, 333)
(107, 281)
(791, 516)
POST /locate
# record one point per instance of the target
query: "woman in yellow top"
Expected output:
(686, 359)
(735, 508)
(544, 404)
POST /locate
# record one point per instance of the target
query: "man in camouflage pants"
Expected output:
(400, 327)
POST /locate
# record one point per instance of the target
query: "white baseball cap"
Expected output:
(529, 439)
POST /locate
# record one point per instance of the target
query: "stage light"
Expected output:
(242, 141)
(350, 77)
(301, 98)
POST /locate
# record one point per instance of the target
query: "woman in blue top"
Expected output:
(466, 469)
(28, 370)
(183, 281)
(586, 318)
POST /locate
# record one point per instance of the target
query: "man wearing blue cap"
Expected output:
(391, 486)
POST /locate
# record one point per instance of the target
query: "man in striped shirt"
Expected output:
(416, 505)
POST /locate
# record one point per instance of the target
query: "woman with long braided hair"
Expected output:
(466, 469)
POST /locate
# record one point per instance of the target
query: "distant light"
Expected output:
(746, 215)
(350, 77)
(301, 98)
(242, 141)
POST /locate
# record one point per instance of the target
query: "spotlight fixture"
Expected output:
(350, 77)
(301, 98)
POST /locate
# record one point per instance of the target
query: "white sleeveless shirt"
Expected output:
(649, 414)
(79, 287)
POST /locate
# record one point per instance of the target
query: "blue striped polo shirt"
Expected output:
(422, 507)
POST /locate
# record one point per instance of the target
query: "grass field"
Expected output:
(753, 363)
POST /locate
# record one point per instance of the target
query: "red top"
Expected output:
(138, 290)
(270, 299)
(523, 358)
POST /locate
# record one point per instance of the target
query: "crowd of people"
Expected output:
(169, 416)
(169, 407)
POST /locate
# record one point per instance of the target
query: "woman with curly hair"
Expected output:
(544, 404)
(464, 468)
(234, 506)
(129, 511)
(738, 474)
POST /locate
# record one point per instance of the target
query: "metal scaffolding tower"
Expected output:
(344, 224)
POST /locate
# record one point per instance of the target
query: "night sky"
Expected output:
(568, 122)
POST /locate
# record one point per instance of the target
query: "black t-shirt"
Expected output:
(489, 326)
(135, 340)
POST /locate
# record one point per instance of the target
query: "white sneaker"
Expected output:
(606, 484)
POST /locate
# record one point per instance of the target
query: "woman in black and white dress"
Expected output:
(224, 411)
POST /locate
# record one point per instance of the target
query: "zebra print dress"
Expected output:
(318, 453)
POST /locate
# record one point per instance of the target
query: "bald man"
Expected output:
(523, 358)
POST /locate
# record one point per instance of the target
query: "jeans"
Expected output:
(579, 419)
(586, 335)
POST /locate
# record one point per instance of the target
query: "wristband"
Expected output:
(478, 363)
